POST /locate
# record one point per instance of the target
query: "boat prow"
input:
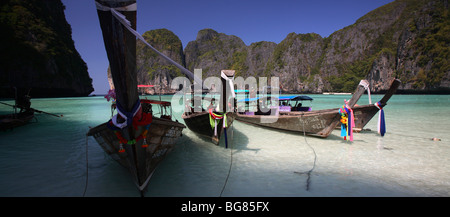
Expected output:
(364, 113)
(134, 137)
(142, 157)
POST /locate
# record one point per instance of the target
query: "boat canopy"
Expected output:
(295, 98)
(281, 98)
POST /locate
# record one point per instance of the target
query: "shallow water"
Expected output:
(48, 156)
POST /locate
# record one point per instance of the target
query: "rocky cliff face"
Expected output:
(403, 39)
(406, 39)
(38, 53)
(153, 69)
(296, 61)
(422, 53)
(212, 51)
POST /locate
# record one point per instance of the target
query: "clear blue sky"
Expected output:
(251, 20)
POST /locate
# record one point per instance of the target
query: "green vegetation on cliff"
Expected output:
(40, 52)
(164, 38)
(240, 63)
(165, 41)
(153, 69)
(419, 29)
(406, 39)
(433, 47)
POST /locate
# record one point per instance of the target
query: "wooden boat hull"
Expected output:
(321, 122)
(140, 161)
(118, 29)
(199, 123)
(11, 121)
(314, 124)
(318, 123)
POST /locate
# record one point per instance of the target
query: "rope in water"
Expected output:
(231, 160)
(308, 173)
(87, 168)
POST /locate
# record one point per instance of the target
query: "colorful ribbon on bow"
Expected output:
(134, 118)
(347, 121)
(381, 122)
(213, 120)
(123, 141)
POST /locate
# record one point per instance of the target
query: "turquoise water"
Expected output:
(48, 157)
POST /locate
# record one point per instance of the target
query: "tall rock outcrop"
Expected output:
(212, 51)
(422, 53)
(296, 61)
(153, 69)
(257, 58)
(38, 53)
(406, 39)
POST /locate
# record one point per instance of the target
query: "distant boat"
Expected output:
(199, 120)
(318, 123)
(135, 137)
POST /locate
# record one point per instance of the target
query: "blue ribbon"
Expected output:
(129, 115)
(382, 123)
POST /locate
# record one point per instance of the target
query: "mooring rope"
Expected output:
(308, 173)
(231, 160)
(87, 168)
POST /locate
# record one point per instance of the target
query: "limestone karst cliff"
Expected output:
(38, 55)
(405, 39)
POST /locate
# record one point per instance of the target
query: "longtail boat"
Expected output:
(318, 123)
(134, 137)
(211, 122)
(17, 118)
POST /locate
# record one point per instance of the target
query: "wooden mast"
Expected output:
(120, 47)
